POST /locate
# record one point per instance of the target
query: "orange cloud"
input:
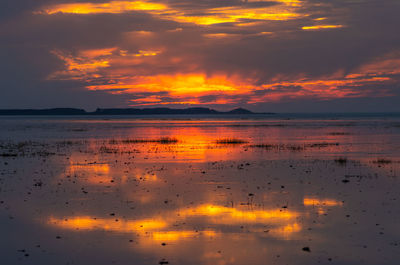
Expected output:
(284, 10)
(80, 67)
(324, 88)
(319, 27)
(113, 7)
(120, 71)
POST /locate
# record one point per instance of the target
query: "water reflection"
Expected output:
(110, 224)
(164, 226)
(258, 197)
(321, 204)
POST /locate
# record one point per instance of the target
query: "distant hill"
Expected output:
(57, 111)
(125, 111)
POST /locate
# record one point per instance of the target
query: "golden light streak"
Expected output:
(318, 27)
(237, 14)
(113, 7)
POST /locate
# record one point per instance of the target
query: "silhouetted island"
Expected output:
(125, 111)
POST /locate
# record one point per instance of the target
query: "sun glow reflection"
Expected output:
(161, 227)
(320, 204)
(229, 215)
(115, 225)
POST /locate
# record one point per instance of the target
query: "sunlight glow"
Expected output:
(180, 84)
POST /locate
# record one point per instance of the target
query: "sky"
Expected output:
(282, 55)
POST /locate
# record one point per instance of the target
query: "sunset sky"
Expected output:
(282, 55)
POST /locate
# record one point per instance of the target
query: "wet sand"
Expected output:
(204, 191)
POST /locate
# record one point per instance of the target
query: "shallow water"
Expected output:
(206, 190)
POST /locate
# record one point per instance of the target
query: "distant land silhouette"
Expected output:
(125, 111)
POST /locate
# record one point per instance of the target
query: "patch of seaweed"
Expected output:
(162, 140)
(341, 160)
(339, 133)
(292, 147)
(230, 141)
(382, 161)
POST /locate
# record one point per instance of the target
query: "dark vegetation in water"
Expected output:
(341, 161)
(34, 148)
(162, 140)
(339, 133)
(230, 141)
(292, 147)
(382, 161)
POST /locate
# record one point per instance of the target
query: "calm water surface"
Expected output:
(284, 189)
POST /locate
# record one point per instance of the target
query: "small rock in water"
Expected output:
(163, 261)
(306, 249)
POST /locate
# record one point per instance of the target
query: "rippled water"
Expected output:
(241, 190)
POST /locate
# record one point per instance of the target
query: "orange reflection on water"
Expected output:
(115, 225)
(146, 227)
(285, 231)
(162, 227)
(93, 168)
(321, 204)
(178, 235)
(95, 173)
(147, 177)
(226, 215)
(193, 143)
(308, 201)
